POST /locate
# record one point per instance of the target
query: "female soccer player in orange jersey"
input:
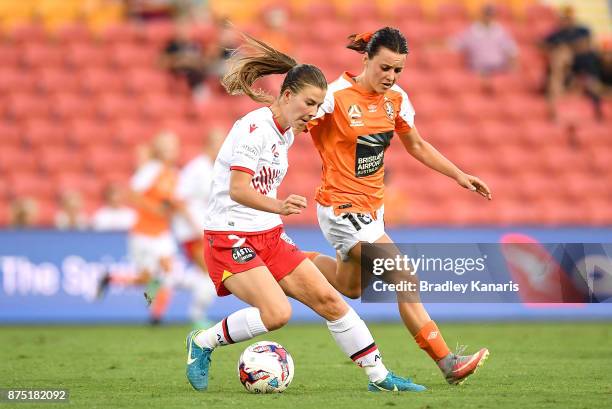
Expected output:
(351, 131)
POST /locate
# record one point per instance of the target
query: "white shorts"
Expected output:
(345, 231)
(146, 251)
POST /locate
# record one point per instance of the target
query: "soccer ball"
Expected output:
(265, 367)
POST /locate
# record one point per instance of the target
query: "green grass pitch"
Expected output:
(532, 365)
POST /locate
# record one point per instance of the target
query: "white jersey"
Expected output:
(193, 187)
(257, 146)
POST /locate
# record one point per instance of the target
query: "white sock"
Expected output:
(355, 339)
(239, 326)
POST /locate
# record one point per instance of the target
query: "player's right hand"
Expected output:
(292, 205)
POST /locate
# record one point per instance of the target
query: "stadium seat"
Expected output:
(10, 134)
(89, 186)
(133, 131)
(453, 64)
(158, 33)
(127, 56)
(362, 10)
(51, 80)
(43, 132)
(82, 55)
(101, 160)
(9, 54)
(561, 159)
(317, 10)
(73, 33)
(476, 106)
(30, 184)
(451, 132)
(120, 33)
(27, 33)
(14, 80)
(452, 11)
(457, 81)
(60, 159)
(68, 106)
(433, 106)
(26, 106)
(537, 132)
(157, 106)
(141, 80)
(99, 80)
(83, 132)
(493, 132)
(520, 106)
(114, 106)
(406, 12)
(37, 55)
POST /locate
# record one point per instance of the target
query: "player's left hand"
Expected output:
(474, 184)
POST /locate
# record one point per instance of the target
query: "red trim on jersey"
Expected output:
(243, 169)
(280, 129)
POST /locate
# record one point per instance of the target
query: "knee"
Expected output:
(352, 293)
(276, 316)
(331, 305)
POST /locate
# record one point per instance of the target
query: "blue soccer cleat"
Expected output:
(394, 383)
(198, 362)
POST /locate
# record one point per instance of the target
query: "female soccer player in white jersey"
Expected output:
(247, 252)
(351, 131)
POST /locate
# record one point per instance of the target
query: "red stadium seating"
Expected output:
(75, 102)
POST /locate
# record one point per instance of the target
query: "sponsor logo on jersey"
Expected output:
(242, 255)
(372, 107)
(355, 113)
(370, 153)
(252, 128)
(389, 110)
(275, 151)
(266, 179)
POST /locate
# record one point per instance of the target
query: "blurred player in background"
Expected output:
(151, 245)
(246, 249)
(193, 189)
(352, 130)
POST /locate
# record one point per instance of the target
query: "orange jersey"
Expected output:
(156, 182)
(352, 130)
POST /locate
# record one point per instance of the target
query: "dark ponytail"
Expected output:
(371, 42)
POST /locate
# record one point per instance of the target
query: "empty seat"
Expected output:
(53, 80)
(68, 106)
(80, 55)
(42, 132)
(41, 55)
(31, 184)
(25, 106)
(100, 80)
(55, 159)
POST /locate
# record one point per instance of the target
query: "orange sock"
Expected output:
(311, 254)
(429, 338)
(160, 303)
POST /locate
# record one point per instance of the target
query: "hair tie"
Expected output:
(366, 37)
